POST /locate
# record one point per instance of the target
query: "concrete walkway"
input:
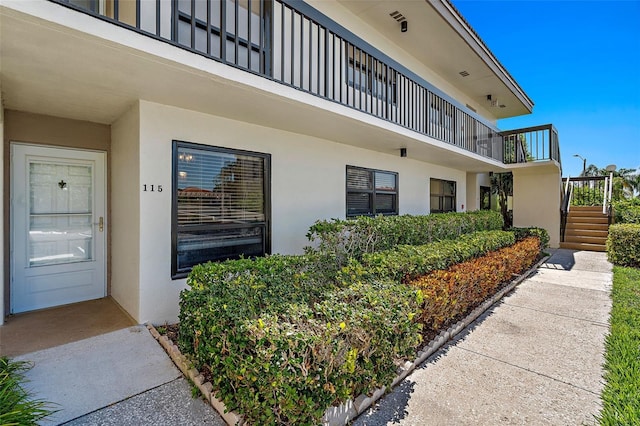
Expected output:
(536, 358)
(119, 378)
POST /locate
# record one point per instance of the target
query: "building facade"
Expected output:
(143, 137)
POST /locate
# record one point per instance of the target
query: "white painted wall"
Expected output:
(307, 183)
(124, 219)
(536, 198)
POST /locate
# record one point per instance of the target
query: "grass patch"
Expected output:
(621, 395)
(16, 405)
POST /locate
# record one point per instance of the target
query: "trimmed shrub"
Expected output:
(541, 233)
(407, 262)
(345, 239)
(285, 345)
(451, 293)
(623, 244)
(627, 211)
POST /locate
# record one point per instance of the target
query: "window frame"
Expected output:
(175, 228)
(441, 195)
(373, 192)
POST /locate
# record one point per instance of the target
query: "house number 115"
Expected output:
(151, 188)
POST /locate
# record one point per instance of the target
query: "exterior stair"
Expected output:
(586, 229)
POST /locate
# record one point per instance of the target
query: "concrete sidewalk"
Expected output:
(119, 378)
(536, 358)
(533, 359)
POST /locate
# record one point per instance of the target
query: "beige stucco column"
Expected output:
(537, 196)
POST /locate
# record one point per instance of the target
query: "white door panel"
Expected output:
(57, 226)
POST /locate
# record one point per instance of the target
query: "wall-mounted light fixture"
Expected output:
(403, 152)
(493, 102)
(404, 26)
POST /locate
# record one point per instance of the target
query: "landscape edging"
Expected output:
(342, 414)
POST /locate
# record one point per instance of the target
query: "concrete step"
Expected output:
(586, 232)
(583, 246)
(584, 239)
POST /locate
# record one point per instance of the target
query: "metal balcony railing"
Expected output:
(531, 144)
(290, 42)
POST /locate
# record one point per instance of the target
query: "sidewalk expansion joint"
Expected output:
(531, 371)
(597, 323)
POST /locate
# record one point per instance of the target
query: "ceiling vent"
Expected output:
(398, 16)
(464, 73)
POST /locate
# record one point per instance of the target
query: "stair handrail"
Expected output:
(564, 208)
(604, 196)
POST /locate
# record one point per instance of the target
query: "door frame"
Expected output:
(50, 151)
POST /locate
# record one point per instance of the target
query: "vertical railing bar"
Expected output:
(359, 80)
(193, 24)
(261, 65)
(158, 18)
(327, 52)
(293, 36)
(282, 37)
(208, 31)
(116, 9)
(236, 31)
(301, 56)
(341, 69)
(138, 14)
(318, 57)
(249, 42)
(310, 55)
(223, 30)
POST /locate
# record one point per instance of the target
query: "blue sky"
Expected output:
(580, 63)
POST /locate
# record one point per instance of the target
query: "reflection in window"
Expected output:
(371, 192)
(443, 196)
(220, 205)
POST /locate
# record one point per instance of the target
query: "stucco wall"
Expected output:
(125, 212)
(536, 198)
(307, 183)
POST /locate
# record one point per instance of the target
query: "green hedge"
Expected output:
(627, 211)
(284, 345)
(346, 239)
(288, 336)
(406, 262)
(623, 244)
(541, 233)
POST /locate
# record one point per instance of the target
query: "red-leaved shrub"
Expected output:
(453, 292)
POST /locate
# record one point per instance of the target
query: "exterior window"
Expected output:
(443, 196)
(371, 192)
(485, 198)
(220, 205)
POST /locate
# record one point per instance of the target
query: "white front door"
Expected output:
(58, 227)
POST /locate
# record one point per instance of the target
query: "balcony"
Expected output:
(291, 43)
(531, 144)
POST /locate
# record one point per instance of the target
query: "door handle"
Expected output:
(101, 224)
